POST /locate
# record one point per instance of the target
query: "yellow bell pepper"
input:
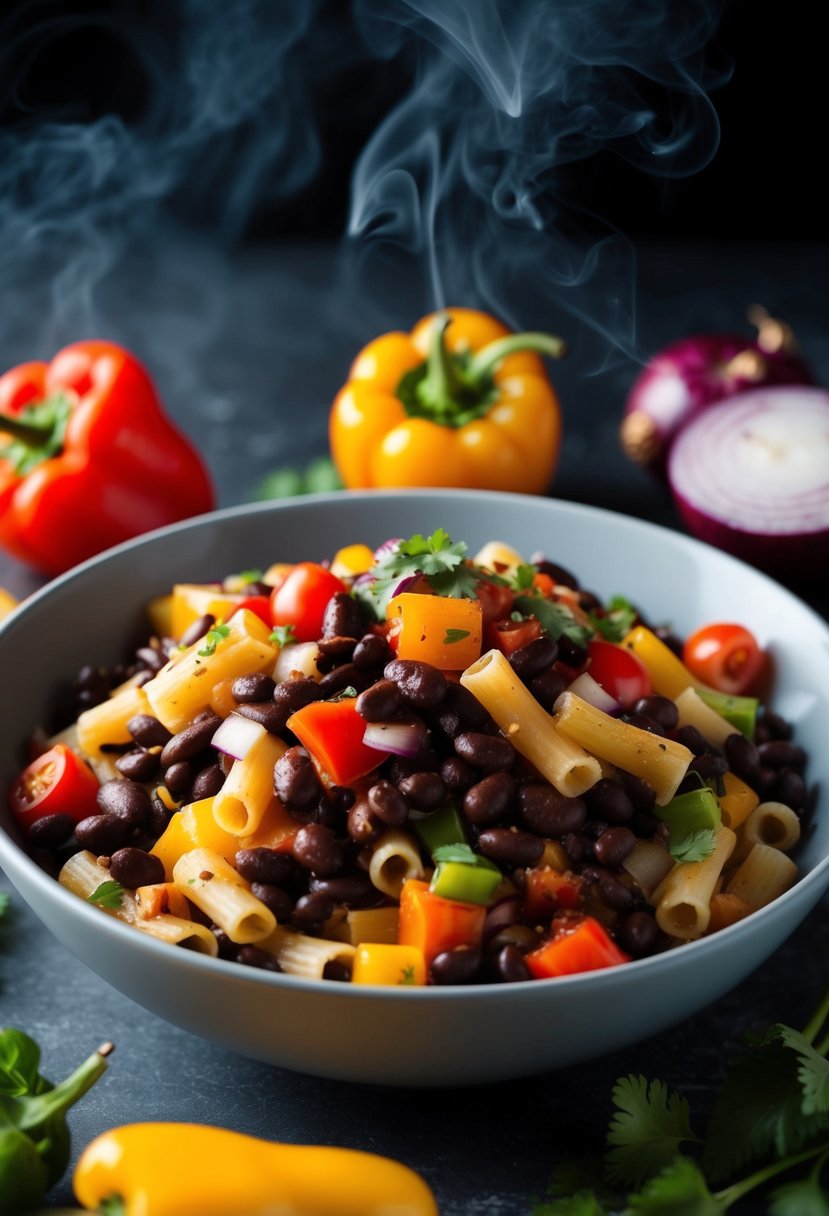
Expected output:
(382, 963)
(460, 401)
(184, 1169)
(8, 602)
(436, 629)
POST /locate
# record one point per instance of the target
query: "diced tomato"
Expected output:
(57, 783)
(544, 584)
(302, 598)
(619, 671)
(725, 656)
(508, 635)
(259, 604)
(496, 600)
(548, 891)
(575, 946)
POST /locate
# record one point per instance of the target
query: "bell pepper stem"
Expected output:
(441, 387)
(42, 1107)
(26, 432)
(486, 360)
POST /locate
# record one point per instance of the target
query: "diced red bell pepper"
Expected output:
(574, 947)
(332, 732)
(547, 891)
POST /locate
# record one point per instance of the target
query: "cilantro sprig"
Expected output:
(438, 559)
(770, 1117)
(212, 639)
(555, 618)
(108, 894)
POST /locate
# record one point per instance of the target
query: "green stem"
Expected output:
(818, 1018)
(26, 432)
(486, 360)
(36, 1110)
(735, 1192)
(441, 387)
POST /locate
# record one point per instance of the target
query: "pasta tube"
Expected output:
(693, 711)
(531, 730)
(179, 931)
(765, 874)
(242, 802)
(683, 899)
(394, 858)
(107, 722)
(298, 954)
(222, 894)
(83, 874)
(774, 824)
(659, 761)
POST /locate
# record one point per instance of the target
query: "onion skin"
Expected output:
(695, 373)
(751, 477)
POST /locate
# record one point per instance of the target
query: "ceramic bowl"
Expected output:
(427, 1036)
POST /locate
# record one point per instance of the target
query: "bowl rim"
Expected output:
(664, 963)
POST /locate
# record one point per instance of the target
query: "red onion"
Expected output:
(401, 737)
(695, 373)
(236, 736)
(590, 690)
(751, 476)
(387, 548)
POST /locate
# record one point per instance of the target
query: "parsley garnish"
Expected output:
(555, 618)
(283, 635)
(436, 558)
(248, 576)
(108, 895)
(523, 578)
(692, 846)
(617, 621)
(345, 694)
(770, 1117)
(212, 639)
(407, 974)
(454, 635)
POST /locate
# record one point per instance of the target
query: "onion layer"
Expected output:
(751, 476)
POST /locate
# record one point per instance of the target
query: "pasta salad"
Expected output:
(418, 766)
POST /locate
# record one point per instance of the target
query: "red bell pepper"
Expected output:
(332, 732)
(574, 947)
(88, 458)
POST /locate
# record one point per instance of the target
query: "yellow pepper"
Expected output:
(8, 602)
(184, 1169)
(460, 401)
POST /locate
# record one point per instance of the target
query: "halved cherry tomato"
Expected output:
(301, 599)
(260, 604)
(619, 671)
(496, 600)
(56, 783)
(725, 656)
(508, 635)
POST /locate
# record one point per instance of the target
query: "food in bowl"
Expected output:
(416, 767)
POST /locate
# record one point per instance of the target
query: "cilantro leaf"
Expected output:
(692, 846)
(463, 855)
(805, 1197)
(213, 637)
(523, 578)
(555, 619)
(455, 635)
(283, 635)
(679, 1190)
(108, 894)
(436, 558)
(581, 1203)
(812, 1070)
(646, 1130)
(616, 621)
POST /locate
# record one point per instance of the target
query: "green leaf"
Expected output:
(320, 476)
(113, 1205)
(805, 1197)
(679, 1190)
(437, 558)
(212, 639)
(812, 1071)
(692, 846)
(454, 635)
(463, 855)
(555, 619)
(19, 1064)
(523, 578)
(646, 1130)
(581, 1203)
(109, 894)
(248, 576)
(283, 635)
(616, 621)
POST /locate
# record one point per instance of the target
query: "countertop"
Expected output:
(254, 363)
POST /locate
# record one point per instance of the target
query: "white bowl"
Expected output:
(428, 1036)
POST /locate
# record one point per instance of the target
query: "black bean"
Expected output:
(743, 757)
(386, 803)
(187, 743)
(661, 709)
(510, 967)
(779, 753)
(492, 753)
(420, 684)
(613, 846)
(336, 649)
(772, 726)
(425, 791)
(291, 695)
(255, 687)
(347, 675)
(337, 970)
(51, 831)
(102, 834)
(469, 710)
(533, 659)
(548, 813)
(644, 824)
(266, 713)
(362, 826)
(264, 866)
(643, 722)
(343, 617)
(607, 800)
(559, 574)
(138, 765)
(640, 792)
(348, 890)
(489, 799)
(197, 630)
(160, 816)
(135, 868)
(458, 966)
(125, 799)
(547, 688)
(693, 739)
(707, 767)
(179, 778)
(638, 933)
(295, 779)
(151, 658)
(274, 898)
(571, 653)
(317, 849)
(372, 651)
(577, 846)
(615, 894)
(255, 956)
(312, 910)
(457, 774)
(511, 847)
(380, 702)
(790, 788)
(207, 782)
(148, 731)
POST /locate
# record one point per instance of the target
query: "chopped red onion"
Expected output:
(751, 476)
(236, 736)
(590, 690)
(406, 737)
(404, 584)
(387, 548)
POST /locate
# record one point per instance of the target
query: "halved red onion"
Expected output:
(236, 736)
(404, 737)
(404, 584)
(590, 690)
(691, 375)
(387, 548)
(751, 476)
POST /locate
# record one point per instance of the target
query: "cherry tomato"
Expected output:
(56, 783)
(620, 673)
(260, 604)
(496, 600)
(300, 600)
(725, 656)
(509, 636)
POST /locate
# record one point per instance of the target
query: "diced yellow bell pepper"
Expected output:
(435, 629)
(8, 603)
(352, 560)
(669, 675)
(738, 801)
(193, 827)
(193, 600)
(377, 963)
